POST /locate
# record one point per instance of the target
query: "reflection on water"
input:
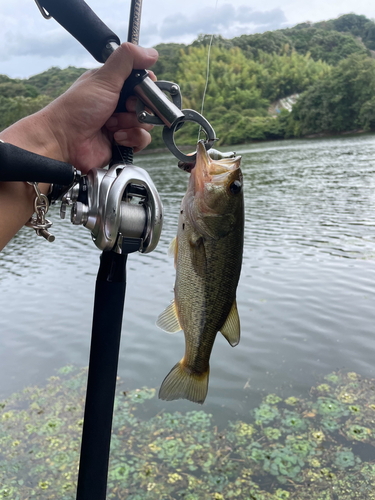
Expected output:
(305, 296)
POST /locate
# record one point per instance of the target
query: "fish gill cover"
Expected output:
(305, 449)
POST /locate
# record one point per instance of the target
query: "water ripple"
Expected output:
(305, 296)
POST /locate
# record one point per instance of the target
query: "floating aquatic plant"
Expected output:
(345, 458)
(272, 399)
(284, 463)
(295, 449)
(358, 432)
(291, 401)
(294, 421)
(265, 414)
(272, 433)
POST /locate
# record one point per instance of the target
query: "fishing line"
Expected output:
(208, 68)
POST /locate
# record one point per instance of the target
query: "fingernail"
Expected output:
(112, 122)
(152, 52)
(121, 136)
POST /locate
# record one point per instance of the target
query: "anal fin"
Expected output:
(168, 319)
(231, 328)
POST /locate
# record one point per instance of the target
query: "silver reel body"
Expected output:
(120, 206)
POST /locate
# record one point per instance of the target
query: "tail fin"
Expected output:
(181, 383)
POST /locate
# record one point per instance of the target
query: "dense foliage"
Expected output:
(327, 66)
(19, 98)
(240, 89)
(344, 101)
(318, 448)
(358, 26)
(328, 46)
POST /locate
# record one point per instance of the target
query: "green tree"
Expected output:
(270, 42)
(13, 109)
(367, 115)
(342, 101)
(14, 88)
(19, 98)
(166, 65)
(55, 81)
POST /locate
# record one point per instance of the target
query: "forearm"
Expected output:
(74, 129)
(17, 198)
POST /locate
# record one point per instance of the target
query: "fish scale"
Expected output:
(208, 258)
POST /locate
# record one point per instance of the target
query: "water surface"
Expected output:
(306, 295)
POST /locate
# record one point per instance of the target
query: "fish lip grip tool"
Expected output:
(165, 112)
(81, 22)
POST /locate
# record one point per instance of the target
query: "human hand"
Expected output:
(79, 126)
(83, 121)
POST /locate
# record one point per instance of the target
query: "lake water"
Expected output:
(306, 295)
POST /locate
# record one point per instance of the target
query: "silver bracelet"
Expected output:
(39, 223)
(41, 205)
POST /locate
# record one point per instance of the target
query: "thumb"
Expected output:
(122, 61)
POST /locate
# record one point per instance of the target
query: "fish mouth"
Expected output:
(201, 171)
(207, 170)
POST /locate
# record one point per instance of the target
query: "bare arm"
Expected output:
(78, 128)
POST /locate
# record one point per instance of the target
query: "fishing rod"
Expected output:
(123, 210)
(120, 206)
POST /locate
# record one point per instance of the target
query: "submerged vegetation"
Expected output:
(320, 448)
(329, 67)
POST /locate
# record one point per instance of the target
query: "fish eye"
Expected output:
(235, 187)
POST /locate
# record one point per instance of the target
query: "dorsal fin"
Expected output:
(231, 327)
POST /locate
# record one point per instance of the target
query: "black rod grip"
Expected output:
(101, 385)
(82, 22)
(17, 164)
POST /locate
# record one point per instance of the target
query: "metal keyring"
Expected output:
(189, 116)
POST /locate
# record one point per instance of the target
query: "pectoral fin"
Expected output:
(231, 327)
(168, 319)
(172, 250)
(198, 254)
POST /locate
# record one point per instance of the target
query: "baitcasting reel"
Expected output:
(120, 206)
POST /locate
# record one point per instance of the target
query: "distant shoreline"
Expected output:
(257, 141)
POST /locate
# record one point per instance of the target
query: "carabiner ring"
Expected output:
(189, 116)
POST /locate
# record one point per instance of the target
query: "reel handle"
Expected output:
(82, 22)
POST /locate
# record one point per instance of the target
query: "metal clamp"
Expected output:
(174, 91)
(189, 116)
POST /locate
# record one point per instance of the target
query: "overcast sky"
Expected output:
(29, 44)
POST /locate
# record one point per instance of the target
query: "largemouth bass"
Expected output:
(208, 257)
